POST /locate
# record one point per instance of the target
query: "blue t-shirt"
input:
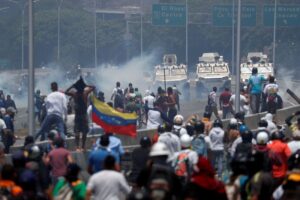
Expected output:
(115, 145)
(97, 157)
(256, 83)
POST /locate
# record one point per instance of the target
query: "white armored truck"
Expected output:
(170, 72)
(212, 71)
(258, 60)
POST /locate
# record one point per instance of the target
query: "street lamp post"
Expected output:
(95, 32)
(30, 70)
(141, 15)
(274, 34)
(59, 3)
(22, 54)
(186, 32)
(233, 37)
(238, 44)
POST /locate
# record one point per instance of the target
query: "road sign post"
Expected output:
(169, 14)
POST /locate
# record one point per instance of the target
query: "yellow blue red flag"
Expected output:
(111, 120)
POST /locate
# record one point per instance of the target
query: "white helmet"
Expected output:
(159, 149)
(178, 120)
(262, 137)
(233, 121)
(185, 140)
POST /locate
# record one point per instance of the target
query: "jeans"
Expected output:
(226, 111)
(217, 161)
(47, 124)
(255, 103)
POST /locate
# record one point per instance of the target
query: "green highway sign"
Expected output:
(222, 15)
(168, 14)
(286, 15)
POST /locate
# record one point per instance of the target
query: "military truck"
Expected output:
(212, 71)
(170, 72)
(258, 60)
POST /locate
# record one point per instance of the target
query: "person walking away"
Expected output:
(80, 96)
(270, 92)
(8, 136)
(199, 142)
(158, 177)
(140, 156)
(119, 101)
(162, 100)
(115, 90)
(243, 102)
(97, 156)
(9, 102)
(75, 187)
(224, 103)
(115, 145)
(177, 93)
(156, 117)
(216, 136)
(38, 104)
(290, 189)
(171, 140)
(58, 159)
(148, 101)
(255, 86)
(207, 122)
(282, 152)
(185, 161)
(212, 103)
(171, 102)
(203, 184)
(107, 184)
(178, 127)
(56, 105)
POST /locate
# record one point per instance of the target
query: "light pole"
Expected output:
(141, 13)
(274, 34)
(59, 3)
(233, 37)
(95, 32)
(186, 32)
(30, 69)
(23, 13)
(238, 44)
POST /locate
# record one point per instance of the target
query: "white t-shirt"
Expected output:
(294, 146)
(172, 142)
(108, 185)
(271, 88)
(154, 119)
(150, 99)
(243, 101)
(56, 103)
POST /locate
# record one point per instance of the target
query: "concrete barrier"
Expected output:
(126, 140)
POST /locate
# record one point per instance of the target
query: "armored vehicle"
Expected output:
(258, 60)
(170, 71)
(212, 71)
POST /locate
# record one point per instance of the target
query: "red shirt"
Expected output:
(59, 161)
(224, 98)
(283, 152)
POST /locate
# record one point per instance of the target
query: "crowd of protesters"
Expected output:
(193, 158)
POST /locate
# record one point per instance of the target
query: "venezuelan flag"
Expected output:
(112, 120)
